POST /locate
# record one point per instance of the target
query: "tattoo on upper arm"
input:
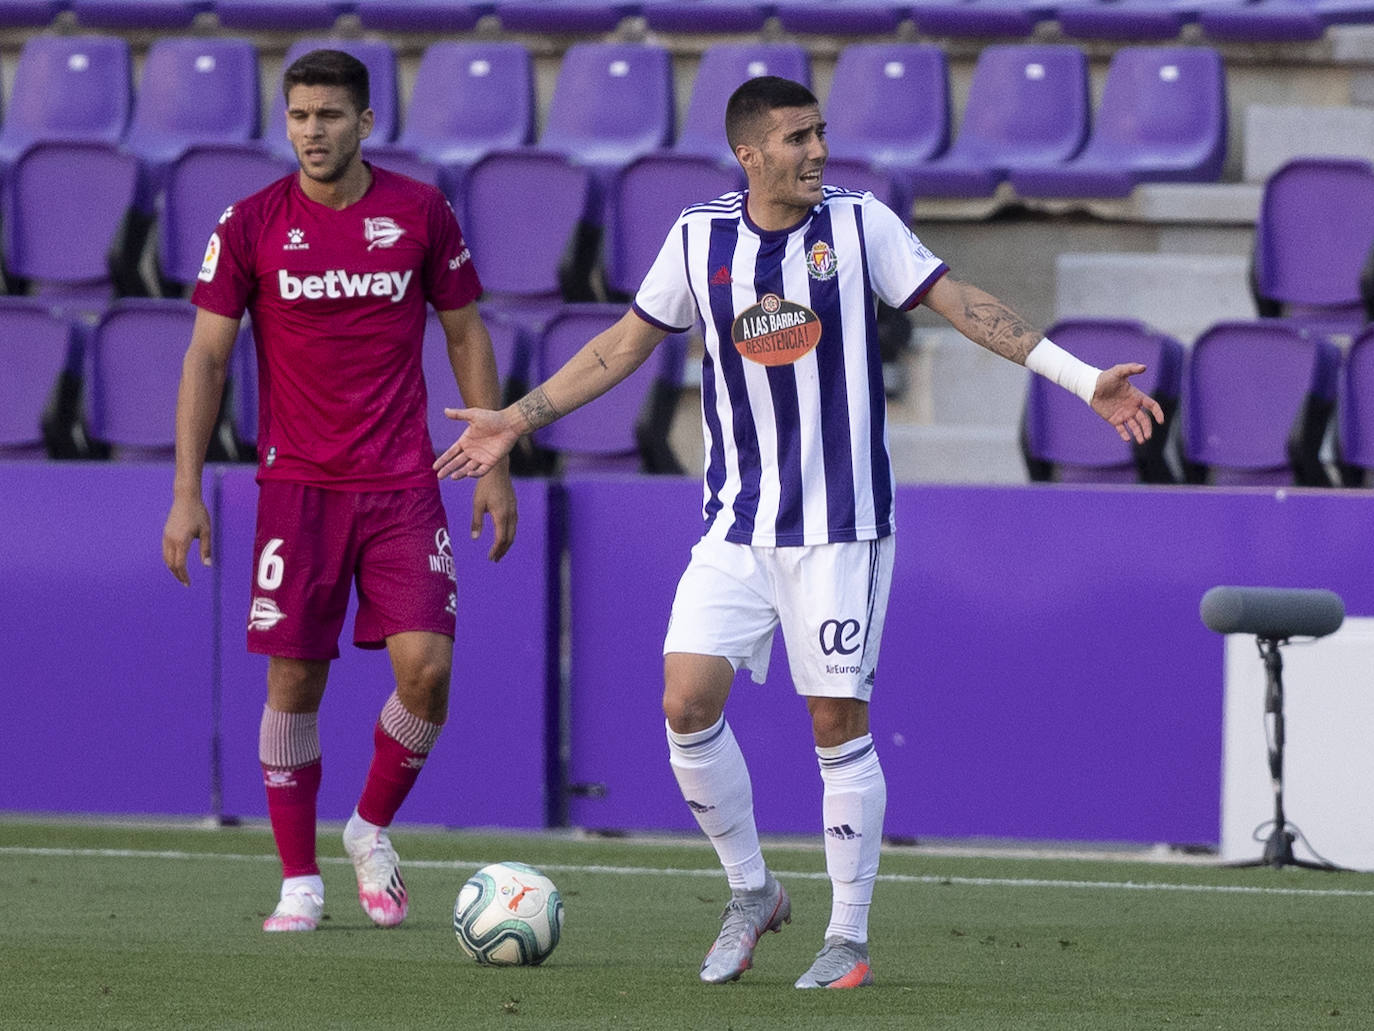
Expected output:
(1002, 329)
(536, 409)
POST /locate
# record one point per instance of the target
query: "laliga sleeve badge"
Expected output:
(776, 331)
(210, 262)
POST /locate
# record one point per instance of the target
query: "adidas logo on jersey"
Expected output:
(341, 283)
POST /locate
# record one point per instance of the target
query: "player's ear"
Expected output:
(748, 157)
(365, 123)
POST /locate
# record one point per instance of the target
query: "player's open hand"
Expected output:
(187, 521)
(1124, 405)
(494, 496)
(487, 439)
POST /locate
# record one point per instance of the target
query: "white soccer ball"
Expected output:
(508, 914)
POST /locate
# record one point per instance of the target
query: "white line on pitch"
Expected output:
(593, 868)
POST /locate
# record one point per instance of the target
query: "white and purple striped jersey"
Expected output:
(793, 411)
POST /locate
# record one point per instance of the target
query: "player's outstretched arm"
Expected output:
(604, 361)
(474, 370)
(992, 324)
(203, 373)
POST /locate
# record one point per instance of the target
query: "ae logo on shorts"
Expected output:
(840, 636)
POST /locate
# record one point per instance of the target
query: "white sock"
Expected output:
(714, 781)
(853, 806)
(358, 829)
(313, 882)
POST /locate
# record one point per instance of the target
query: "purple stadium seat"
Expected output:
(36, 343)
(843, 17)
(572, 16)
(134, 366)
(646, 200)
(65, 248)
(193, 90)
(1313, 236)
(1281, 21)
(714, 16)
(1355, 412)
(723, 67)
(68, 88)
(469, 98)
(509, 343)
(404, 161)
(981, 18)
(380, 59)
(889, 107)
(1162, 118)
(612, 103)
(1065, 440)
(863, 176)
(421, 15)
(603, 434)
(29, 13)
(200, 185)
(290, 15)
(138, 14)
(1028, 105)
(1139, 21)
(1257, 396)
(519, 245)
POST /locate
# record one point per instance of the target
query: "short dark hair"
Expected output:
(758, 97)
(330, 68)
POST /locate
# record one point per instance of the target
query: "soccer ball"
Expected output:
(508, 914)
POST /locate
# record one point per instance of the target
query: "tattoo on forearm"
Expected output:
(1002, 330)
(537, 409)
(599, 360)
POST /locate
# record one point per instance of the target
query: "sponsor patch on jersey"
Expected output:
(820, 261)
(210, 262)
(776, 331)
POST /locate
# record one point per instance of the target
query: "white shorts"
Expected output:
(829, 599)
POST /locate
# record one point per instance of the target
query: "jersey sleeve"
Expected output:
(665, 296)
(224, 284)
(451, 279)
(901, 266)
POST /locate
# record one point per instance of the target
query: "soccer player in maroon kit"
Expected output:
(335, 264)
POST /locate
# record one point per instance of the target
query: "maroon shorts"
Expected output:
(313, 544)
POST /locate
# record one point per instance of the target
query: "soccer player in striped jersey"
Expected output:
(798, 529)
(337, 264)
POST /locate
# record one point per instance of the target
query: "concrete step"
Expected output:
(1180, 294)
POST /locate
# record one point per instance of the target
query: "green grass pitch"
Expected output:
(119, 926)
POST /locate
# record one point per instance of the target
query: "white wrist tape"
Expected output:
(1054, 363)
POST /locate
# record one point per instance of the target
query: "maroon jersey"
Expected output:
(337, 301)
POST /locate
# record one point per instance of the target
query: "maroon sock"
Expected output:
(401, 743)
(291, 798)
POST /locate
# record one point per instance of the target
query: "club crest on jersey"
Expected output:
(820, 261)
(381, 232)
(775, 331)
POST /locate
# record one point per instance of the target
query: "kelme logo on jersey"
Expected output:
(820, 261)
(775, 331)
(337, 283)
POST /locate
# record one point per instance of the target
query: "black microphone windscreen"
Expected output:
(1273, 612)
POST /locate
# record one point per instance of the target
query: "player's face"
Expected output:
(326, 130)
(785, 170)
